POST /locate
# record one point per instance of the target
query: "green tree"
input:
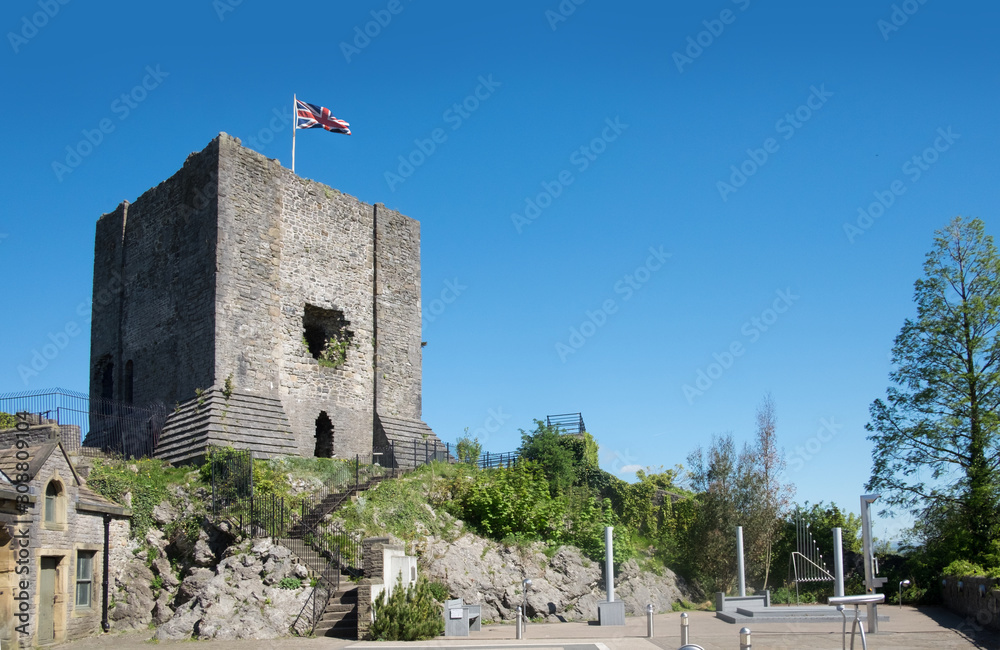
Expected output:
(764, 499)
(713, 533)
(545, 446)
(739, 489)
(409, 614)
(936, 435)
(469, 449)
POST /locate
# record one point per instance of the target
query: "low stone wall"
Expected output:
(977, 599)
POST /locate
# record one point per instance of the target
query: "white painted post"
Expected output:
(838, 563)
(609, 565)
(739, 558)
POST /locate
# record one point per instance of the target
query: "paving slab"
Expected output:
(910, 628)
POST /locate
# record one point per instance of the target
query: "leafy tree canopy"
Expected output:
(937, 433)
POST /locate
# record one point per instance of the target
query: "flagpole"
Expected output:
(295, 114)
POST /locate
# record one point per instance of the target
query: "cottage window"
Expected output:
(52, 502)
(84, 578)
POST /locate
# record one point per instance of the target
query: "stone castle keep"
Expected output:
(261, 310)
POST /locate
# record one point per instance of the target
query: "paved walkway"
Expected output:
(908, 628)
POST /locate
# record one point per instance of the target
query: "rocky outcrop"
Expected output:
(239, 598)
(566, 587)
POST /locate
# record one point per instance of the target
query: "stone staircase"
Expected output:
(340, 618)
(241, 420)
(331, 503)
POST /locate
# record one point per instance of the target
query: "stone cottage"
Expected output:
(52, 544)
(260, 310)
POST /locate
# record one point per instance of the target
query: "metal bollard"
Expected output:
(649, 620)
(519, 625)
(684, 628)
(745, 641)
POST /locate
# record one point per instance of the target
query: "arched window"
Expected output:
(54, 503)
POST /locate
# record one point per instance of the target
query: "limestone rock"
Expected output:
(566, 587)
(238, 598)
(164, 513)
(203, 555)
(161, 567)
(133, 597)
(161, 608)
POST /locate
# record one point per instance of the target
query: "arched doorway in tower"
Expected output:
(324, 436)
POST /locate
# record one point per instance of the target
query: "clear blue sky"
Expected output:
(625, 123)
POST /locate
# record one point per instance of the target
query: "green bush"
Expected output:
(963, 569)
(468, 450)
(7, 421)
(290, 583)
(146, 480)
(439, 591)
(409, 614)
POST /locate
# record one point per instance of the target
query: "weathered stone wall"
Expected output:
(977, 599)
(284, 243)
(161, 249)
(217, 291)
(399, 333)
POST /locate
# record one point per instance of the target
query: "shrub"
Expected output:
(146, 480)
(7, 421)
(409, 614)
(289, 583)
(439, 591)
(469, 449)
(963, 569)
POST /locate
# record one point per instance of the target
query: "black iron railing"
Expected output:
(502, 459)
(108, 425)
(571, 423)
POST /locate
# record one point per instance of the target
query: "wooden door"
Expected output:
(47, 600)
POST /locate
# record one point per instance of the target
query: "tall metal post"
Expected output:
(838, 563)
(871, 582)
(609, 565)
(739, 561)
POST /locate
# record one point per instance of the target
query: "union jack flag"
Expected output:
(311, 116)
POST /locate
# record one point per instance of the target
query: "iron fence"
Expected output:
(109, 425)
(498, 460)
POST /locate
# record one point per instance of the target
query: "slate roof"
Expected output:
(37, 455)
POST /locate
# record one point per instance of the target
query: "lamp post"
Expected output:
(902, 583)
(524, 610)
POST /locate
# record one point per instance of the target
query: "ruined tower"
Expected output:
(262, 310)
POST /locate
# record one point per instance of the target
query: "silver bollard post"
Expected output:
(519, 625)
(649, 620)
(685, 632)
(745, 642)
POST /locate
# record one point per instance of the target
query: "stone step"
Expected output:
(244, 420)
(341, 630)
(339, 608)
